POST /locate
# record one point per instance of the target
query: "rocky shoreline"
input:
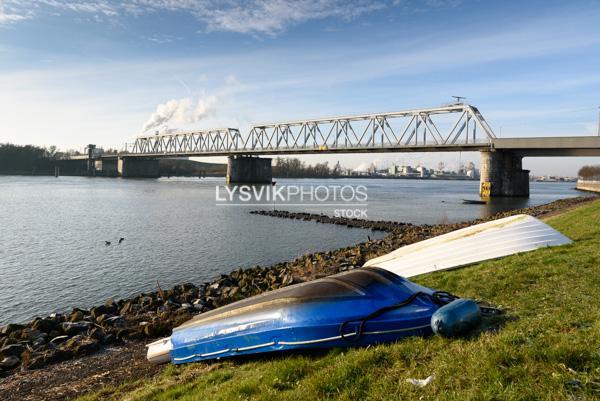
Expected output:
(61, 337)
(375, 225)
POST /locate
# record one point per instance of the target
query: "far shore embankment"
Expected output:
(38, 354)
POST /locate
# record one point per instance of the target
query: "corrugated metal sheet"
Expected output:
(469, 245)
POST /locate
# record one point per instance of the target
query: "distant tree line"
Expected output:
(590, 172)
(29, 158)
(295, 168)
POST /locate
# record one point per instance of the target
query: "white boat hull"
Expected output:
(494, 239)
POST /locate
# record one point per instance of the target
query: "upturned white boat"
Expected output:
(491, 240)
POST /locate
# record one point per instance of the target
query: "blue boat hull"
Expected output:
(364, 306)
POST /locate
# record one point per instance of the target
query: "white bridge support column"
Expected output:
(248, 170)
(502, 174)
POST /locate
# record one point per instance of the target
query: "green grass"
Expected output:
(547, 348)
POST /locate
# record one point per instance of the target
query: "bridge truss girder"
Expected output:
(412, 129)
(419, 129)
(209, 141)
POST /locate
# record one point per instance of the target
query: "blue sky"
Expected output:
(78, 72)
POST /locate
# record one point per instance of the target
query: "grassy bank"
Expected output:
(548, 347)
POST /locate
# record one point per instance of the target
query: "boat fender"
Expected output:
(456, 318)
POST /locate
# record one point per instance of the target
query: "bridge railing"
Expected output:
(456, 124)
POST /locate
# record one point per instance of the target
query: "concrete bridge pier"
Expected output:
(248, 170)
(502, 174)
(137, 167)
(91, 166)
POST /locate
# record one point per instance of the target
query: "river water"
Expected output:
(53, 231)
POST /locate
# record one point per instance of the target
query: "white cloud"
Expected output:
(10, 18)
(232, 80)
(425, 5)
(262, 17)
(101, 7)
(592, 128)
(538, 113)
(274, 16)
(161, 39)
(9, 15)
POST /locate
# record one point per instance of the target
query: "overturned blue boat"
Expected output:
(373, 304)
(363, 306)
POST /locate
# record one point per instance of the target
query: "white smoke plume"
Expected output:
(366, 167)
(181, 111)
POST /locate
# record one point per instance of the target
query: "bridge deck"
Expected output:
(551, 146)
(322, 150)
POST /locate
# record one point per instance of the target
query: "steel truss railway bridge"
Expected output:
(452, 128)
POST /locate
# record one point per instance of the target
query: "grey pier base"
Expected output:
(134, 167)
(248, 170)
(502, 175)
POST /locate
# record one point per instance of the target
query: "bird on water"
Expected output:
(121, 240)
(107, 243)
